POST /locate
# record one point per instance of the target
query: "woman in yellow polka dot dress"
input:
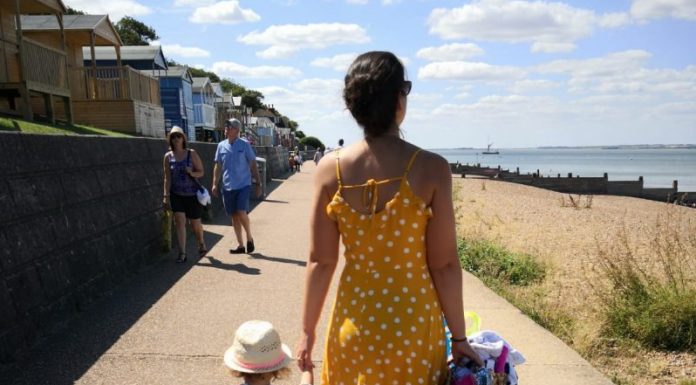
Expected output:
(391, 205)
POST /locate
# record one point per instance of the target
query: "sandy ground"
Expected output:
(544, 224)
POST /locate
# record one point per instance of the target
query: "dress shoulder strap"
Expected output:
(410, 162)
(338, 170)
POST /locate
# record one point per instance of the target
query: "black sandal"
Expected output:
(181, 259)
(238, 250)
(250, 246)
(202, 251)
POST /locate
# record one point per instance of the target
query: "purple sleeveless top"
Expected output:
(182, 183)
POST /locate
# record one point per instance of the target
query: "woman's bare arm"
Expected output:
(323, 257)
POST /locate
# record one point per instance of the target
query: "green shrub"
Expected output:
(655, 316)
(687, 382)
(497, 266)
(651, 299)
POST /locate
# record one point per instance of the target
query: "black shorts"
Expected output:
(186, 204)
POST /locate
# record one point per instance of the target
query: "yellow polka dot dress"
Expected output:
(386, 326)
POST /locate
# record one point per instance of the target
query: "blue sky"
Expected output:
(517, 73)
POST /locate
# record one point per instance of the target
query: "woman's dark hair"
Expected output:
(371, 92)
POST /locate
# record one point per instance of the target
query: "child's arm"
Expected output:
(307, 378)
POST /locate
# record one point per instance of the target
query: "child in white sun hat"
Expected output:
(257, 355)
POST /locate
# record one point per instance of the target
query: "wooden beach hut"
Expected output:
(176, 92)
(140, 57)
(115, 97)
(204, 112)
(30, 69)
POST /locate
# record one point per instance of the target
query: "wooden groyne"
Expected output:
(581, 185)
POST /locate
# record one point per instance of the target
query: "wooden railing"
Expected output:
(44, 66)
(113, 83)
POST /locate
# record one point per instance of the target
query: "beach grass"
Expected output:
(497, 266)
(19, 125)
(651, 301)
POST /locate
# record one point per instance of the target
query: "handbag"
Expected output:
(202, 193)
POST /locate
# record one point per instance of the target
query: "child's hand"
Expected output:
(307, 378)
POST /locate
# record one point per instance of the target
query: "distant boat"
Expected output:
(489, 151)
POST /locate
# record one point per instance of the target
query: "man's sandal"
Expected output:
(182, 258)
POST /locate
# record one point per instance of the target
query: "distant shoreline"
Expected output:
(604, 147)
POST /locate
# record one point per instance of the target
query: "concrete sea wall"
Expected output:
(80, 214)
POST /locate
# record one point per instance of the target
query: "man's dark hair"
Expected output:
(340, 142)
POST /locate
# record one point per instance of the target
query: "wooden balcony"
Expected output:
(204, 115)
(113, 83)
(45, 69)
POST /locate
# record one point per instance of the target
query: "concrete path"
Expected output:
(172, 323)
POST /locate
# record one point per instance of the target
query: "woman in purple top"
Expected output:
(181, 166)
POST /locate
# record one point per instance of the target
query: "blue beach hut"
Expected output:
(204, 112)
(176, 92)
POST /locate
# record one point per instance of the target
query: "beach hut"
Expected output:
(140, 57)
(33, 74)
(176, 93)
(204, 108)
(264, 129)
(115, 97)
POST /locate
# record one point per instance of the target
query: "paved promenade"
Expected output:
(172, 323)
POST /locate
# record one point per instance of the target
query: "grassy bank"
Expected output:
(18, 125)
(615, 280)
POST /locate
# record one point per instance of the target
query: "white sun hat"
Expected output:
(257, 349)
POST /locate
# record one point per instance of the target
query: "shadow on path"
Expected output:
(218, 264)
(67, 351)
(276, 259)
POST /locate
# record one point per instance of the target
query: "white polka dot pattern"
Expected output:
(386, 326)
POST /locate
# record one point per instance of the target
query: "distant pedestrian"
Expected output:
(257, 354)
(181, 166)
(298, 162)
(236, 162)
(318, 155)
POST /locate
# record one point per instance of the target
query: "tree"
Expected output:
(199, 73)
(312, 141)
(253, 99)
(293, 125)
(299, 134)
(135, 32)
(73, 11)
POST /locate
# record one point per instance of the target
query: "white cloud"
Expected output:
(450, 52)
(286, 40)
(548, 47)
(116, 9)
(235, 70)
(223, 12)
(190, 3)
(471, 71)
(338, 62)
(613, 20)
(623, 72)
(360, 2)
(549, 25)
(182, 51)
(532, 85)
(657, 9)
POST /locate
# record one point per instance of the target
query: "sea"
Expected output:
(658, 167)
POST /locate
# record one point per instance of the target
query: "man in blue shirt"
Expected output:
(236, 161)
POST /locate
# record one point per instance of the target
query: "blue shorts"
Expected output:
(236, 200)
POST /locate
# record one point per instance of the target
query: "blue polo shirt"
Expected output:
(234, 159)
